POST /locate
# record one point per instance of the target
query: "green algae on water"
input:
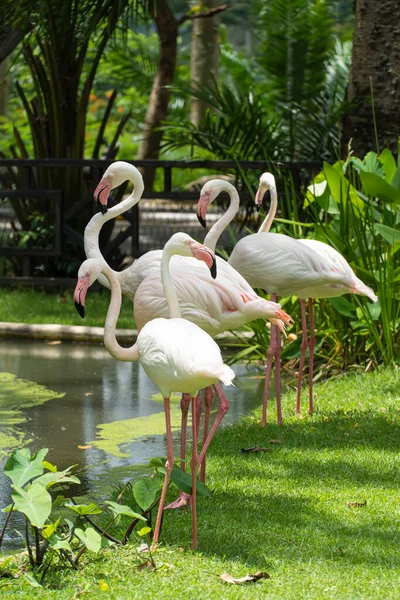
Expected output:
(15, 395)
(113, 438)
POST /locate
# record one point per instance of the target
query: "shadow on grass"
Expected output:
(291, 504)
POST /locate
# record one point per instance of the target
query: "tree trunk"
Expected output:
(157, 111)
(4, 87)
(376, 59)
(204, 60)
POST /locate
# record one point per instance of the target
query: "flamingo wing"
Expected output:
(280, 264)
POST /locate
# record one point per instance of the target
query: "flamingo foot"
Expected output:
(182, 501)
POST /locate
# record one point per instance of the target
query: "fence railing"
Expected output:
(149, 224)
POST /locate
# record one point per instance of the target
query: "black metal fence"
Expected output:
(162, 211)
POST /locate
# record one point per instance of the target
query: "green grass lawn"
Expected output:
(288, 512)
(34, 306)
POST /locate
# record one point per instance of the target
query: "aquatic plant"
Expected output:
(58, 530)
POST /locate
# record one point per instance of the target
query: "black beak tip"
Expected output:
(258, 207)
(101, 206)
(202, 221)
(81, 309)
(213, 269)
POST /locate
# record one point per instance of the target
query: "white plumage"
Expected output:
(283, 266)
(177, 355)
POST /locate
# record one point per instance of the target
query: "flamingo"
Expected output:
(114, 176)
(176, 354)
(215, 306)
(283, 266)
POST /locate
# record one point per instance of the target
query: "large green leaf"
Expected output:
(343, 306)
(123, 509)
(372, 164)
(21, 466)
(34, 502)
(85, 509)
(52, 478)
(379, 188)
(184, 482)
(58, 543)
(145, 492)
(396, 179)
(48, 530)
(389, 164)
(341, 189)
(388, 233)
(90, 538)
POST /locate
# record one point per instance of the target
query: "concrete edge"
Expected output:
(80, 333)
(76, 333)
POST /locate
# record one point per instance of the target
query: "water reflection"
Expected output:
(97, 390)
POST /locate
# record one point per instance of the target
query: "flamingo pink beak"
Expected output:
(201, 209)
(102, 192)
(80, 294)
(206, 255)
(259, 197)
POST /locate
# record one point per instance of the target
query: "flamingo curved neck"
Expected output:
(92, 230)
(266, 224)
(110, 341)
(218, 228)
(169, 288)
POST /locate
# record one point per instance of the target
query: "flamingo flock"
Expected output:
(184, 295)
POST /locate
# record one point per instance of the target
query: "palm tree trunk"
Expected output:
(4, 87)
(167, 27)
(204, 61)
(376, 63)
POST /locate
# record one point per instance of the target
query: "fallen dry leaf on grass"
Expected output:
(246, 579)
(356, 504)
(280, 441)
(84, 447)
(255, 449)
(147, 565)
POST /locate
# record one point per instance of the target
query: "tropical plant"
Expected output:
(353, 206)
(59, 101)
(356, 204)
(283, 103)
(62, 530)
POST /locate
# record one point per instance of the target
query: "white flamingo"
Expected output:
(176, 354)
(114, 176)
(215, 306)
(284, 266)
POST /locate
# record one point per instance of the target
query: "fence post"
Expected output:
(167, 179)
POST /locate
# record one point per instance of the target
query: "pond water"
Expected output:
(104, 415)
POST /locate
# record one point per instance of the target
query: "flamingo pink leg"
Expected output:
(194, 463)
(199, 410)
(311, 345)
(197, 459)
(168, 468)
(185, 403)
(278, 346)
(303, 350)
(222, 410)
(183, 498)
(273, 352)
(208, 401)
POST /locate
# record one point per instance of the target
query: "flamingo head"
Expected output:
(210, 190)
(182, 244)
(267, 182)
(88, 272)
(118, 172)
